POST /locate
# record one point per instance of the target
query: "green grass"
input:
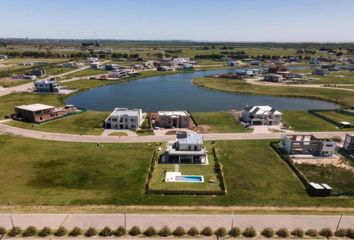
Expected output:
(341, 180)
(55, 70)
(63, 173)
(8, 82)
(305, 122)
(337, 116)
(120, 134)
(85, 84)
(239, 86)
(340, 77)
(87, 123)
(86, 73)
(158, 183)
(220, 122)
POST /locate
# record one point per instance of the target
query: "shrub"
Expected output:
(221, 232)
(268, 232)
(151, 231)
(165, 231)
(207, 231)
(283, 233)
(106, 232)
(60, 232)
(179, 231)
(326, 232)
(134, 231)
(341, 233)
(249, 232)
(235, 232)
(350, 233)
(120, 231)
(14, 232)
(46, 231)
(30, 231)
(90, 232)
(75, 232)
(193, 232)
(298, 232)
(337, 139)
(3, 231)
(311, 233)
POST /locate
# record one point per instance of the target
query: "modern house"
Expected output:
(123, 118)
(308, 145)
(117, 74)
(314, 61)
(92, 60)
(38, 72)
(50, 85)
(187, 148)
(273, 78)
(173, 119)
(37, 113)
(261, 115)
(349, 143)
(320, 71)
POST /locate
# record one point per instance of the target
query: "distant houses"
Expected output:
(320, 72)
(261, 115)
(3, 57)
(123, 118)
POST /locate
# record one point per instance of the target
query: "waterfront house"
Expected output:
(123, 118)
(187, 148)
(50, 85)
(299, 144)
(349, 143)
(273, 78)
(261, 115)
(173, 119)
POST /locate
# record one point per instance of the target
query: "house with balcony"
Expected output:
(173, 119)
(187, 148)
(261, 115)
(50, 85)
(123, 118)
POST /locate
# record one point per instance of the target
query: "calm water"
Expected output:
(176, 92)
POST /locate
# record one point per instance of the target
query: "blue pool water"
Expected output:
(189, 178)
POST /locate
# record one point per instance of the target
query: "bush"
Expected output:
(60, 232)
(3, 231)
(326, 232)
(75, 232)
(45, 232)
(119, 232)
(30, 231)
(134, 231)
(221, 232)
(341, 233)
(91, 232)
(268, 232)
(106, 232)
(235, 232)
(165, 231)
(151, 231)
(249, 232)
(311, 233)
(207, 231)
(298, 232)
(193, 232)
(283, 233)
(14, 232)
(179, 231)
(350, 233)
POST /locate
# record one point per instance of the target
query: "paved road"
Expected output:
(5, 129)
(173, 220)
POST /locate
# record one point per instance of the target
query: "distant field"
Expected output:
(8, 82)
(340, 77)
(35, 60)
(86, 73)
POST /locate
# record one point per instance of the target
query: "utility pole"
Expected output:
(125, 220)
(340, 219)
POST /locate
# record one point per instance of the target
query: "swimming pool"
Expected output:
(189, 178)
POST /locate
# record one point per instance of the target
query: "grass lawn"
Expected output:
(337, 116)
(219, 122)
(8, 82)
(87, 123)
(341, 180)
(305, 122)
(55, 70)
(119, 134)
(158, 179)
(85, 84)
(340, 77)
(86, 73)
(334, 95)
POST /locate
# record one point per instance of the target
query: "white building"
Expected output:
(92, 60)
(272, 77)
(3, 56)
(122, 118)
(261, 115)
(50, 85)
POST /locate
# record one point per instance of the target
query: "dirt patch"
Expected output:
(334, 161)
(173, 132)
(204, 128)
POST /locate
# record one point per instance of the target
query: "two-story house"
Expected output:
(261, 115)
(122, 118)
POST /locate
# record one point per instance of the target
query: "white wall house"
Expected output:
(50, 85)
(261, 115)
(123, 118)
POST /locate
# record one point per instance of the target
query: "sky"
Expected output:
(199, 20)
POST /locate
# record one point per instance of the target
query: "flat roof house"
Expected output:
(273, 77)
(174, 119)
(123, 118)
(349, 143)
(308, 145)
(50, 85)
(261, 115)
(38, 72)
(187, 148)
(34, 112)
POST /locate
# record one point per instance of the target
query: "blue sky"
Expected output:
(218, 20)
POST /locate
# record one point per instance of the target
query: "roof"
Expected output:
(345, 123)
(35, 107)
(264, 110)
(191, 138)
(124, 111)
(173, 113)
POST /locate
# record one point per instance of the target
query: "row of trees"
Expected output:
(249, 232)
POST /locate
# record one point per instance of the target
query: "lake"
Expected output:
(177, 92)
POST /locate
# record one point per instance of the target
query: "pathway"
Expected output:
(107, 132)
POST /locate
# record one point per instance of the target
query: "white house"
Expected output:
(122, 118)
(272, 77)
(261, 115)
(50, 85)
(92, 60)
